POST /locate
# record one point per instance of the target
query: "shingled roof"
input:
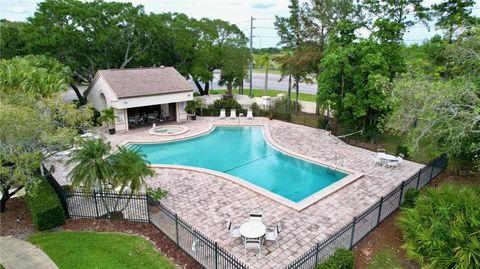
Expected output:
(145, 81)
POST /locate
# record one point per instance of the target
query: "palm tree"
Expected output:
(92, 167)
(265, 60)
(131, 169)
(108, 116)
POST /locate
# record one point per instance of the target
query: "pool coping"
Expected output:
(299, 206)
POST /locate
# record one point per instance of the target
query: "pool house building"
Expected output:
(141, 96)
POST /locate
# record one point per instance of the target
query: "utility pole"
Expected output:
(251, 55)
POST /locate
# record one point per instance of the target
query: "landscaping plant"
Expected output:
(341, 259)
(443, 229)
(45, 207)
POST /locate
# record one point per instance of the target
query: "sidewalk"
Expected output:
(19, 254)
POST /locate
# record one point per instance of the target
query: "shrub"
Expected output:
(45, 207)
(226, 103)
(341, 259)
(410, 198)
(442, 230)
(256, 110)
(155, 194)
(402, 150)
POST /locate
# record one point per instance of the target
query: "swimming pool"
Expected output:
(242, 152)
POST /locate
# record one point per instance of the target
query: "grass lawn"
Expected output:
(100, 250)
(259, 93)
(385, 258)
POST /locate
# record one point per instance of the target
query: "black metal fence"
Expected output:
(360, 226)
(204, 250)
(108, 205)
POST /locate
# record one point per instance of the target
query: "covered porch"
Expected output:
(147, 115)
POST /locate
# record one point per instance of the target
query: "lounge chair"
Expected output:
(255, 217)
(392, 164)
(222, 114)
(234, 232)
(272, 234)
(233, 114)
(253, 243)
(249, 114)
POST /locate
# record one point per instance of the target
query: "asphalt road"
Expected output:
(258, 82)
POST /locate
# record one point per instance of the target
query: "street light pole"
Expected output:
(251, 55)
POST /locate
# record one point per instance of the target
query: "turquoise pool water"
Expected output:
(244, 153)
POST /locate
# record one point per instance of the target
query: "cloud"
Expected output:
(263, 6)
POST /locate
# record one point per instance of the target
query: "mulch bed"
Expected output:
(16, 221)
(386, 235)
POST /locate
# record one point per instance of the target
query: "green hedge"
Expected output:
(341, 259)
(45, 206)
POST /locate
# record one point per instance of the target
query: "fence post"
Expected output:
(304, 118)
(216, 255)
(148, 208)
(317, 249)
(431, 173)
(96, 205)
(401, 193)
(418, 178)
(380, 210)
(353, 232)
(176, 229)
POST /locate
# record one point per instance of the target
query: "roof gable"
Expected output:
(135, 82)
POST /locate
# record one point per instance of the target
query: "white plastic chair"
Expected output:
(376, 160)
(222, 114)
(233, 114)
(400, 160)
(256, 217)
(249, 114)
(234, 232)
(392, 164)
(251, 243)
(272, 234)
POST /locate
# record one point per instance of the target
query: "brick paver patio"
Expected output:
(207, 201)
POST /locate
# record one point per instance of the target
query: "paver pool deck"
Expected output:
(208, 201)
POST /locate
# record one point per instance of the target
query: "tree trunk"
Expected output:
(199, 86)
(297, 89)
(229, 89)
(207, 87)
(289, 92)
(266, 80)
(6, 194)
(80, 97)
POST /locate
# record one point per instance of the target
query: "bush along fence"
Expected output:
(361, 225)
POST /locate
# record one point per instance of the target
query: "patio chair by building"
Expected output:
(255, 217)
(249, 114)
(234, 232)
(253, 243)
(272, 234)
(222, 114)
(233, 114)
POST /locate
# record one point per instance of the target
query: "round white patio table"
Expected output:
(253, 229)
(387, 157)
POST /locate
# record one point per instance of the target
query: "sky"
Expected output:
(234, 11)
